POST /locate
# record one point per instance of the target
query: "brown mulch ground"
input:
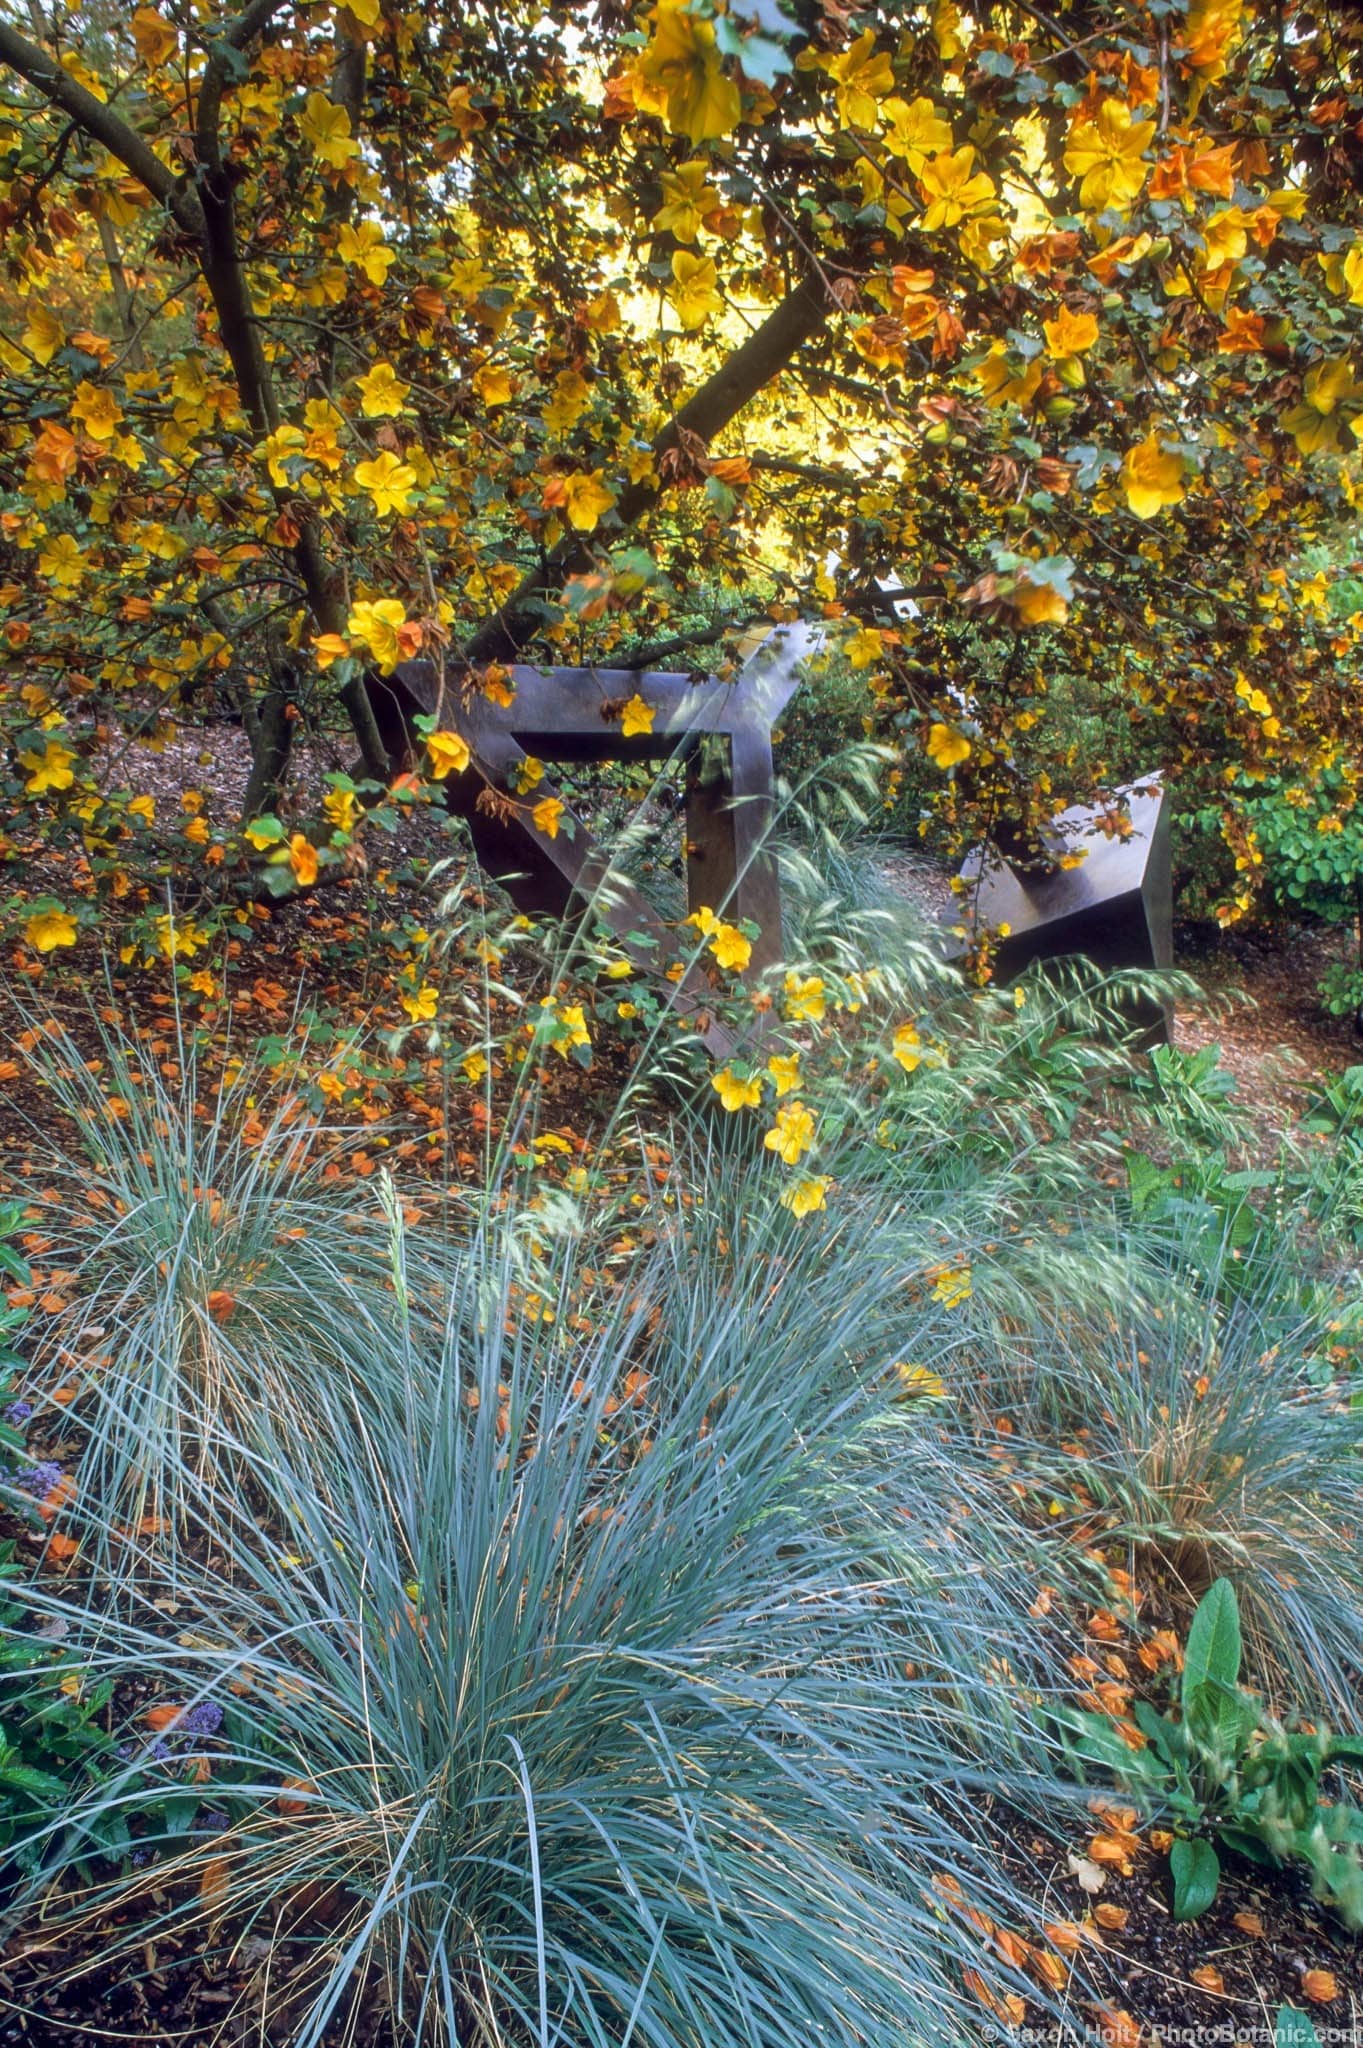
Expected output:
(1263, 1011)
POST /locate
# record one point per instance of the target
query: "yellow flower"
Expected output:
(953, 188)
(449, 752)
(382, 392)
(907, 1048)
(585, 498)
(364, 246)
(1330, 385)
(951, 1285)
(494, 385)
(474, 1066)
(1070, 333)
(48, 929)
(341, 809)
(735, 1092)
(680, 71)
(1256, 700)
(864, 647)
(178, 939)
(805, 999)
(784, 1069)
(277, 447)
(695, 295)
(1106, 155)
(377, 626)
(730, 948)
(577, 1032)
(390, 483)
(546, 815)
(155, 39)
(918, 1383)
(1351, 274)
(1151, 478)
(1209, 30)
(687, 198)
(327, 128)
(864, 76)
(49, 770)
(1226, 234)
(803, 1197)
(263, 832)
(97, 410)
(1002, 382)
(61, 561)
(946, 746)
(43, 335)
(638, 717)
(421, 1003)
(915, 131)
(1038, 604)
(303, 860)
(791, 1136)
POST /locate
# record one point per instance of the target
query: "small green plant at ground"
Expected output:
(52, 1738)
(1192, 1097)
(1227, 1774)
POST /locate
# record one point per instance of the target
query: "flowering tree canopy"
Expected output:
(575, 332)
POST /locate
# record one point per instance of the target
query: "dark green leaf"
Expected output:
(1196, 1871)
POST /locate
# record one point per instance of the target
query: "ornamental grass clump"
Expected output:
(217, 1274)
(1204, 1420)
(651, 1672)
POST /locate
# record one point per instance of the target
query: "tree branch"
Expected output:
(739, 378)
(704, 636)
(101, 123)
(250, 23)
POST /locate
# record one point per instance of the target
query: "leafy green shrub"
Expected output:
(634, 1680)
(1311, 840)
(1224, 1771)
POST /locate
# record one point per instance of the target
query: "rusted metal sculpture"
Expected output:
(1115, 907)
(720, 731)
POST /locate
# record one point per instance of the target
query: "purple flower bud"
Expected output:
(39, 1480)
(18, 1411)
(212, 1823)
(205, 1719)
